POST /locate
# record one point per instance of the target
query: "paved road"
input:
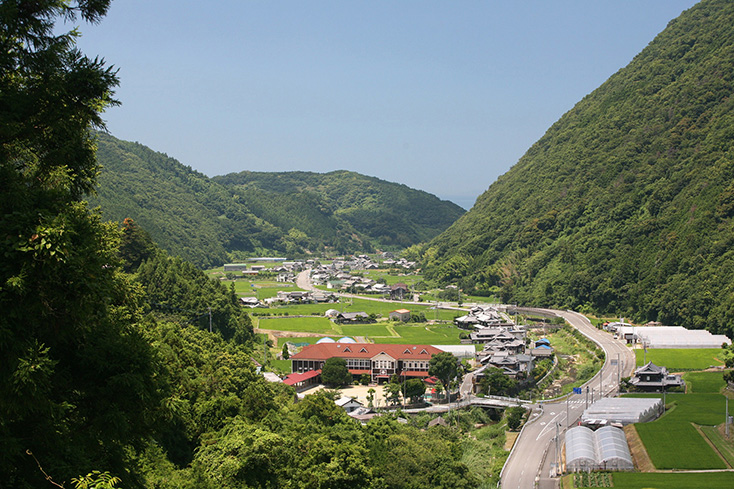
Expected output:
(534, 454)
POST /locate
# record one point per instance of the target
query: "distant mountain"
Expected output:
(212, 221)
(390, 213)
(626, 205)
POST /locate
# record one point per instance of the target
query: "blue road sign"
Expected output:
(577, 390)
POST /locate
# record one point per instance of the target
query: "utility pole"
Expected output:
(726, 417)
(568, 420)
(587, 397)
(601, 381)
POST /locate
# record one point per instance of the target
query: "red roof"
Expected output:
(414, 373)
(293, 379)
(324, 351)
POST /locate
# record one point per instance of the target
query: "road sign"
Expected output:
(577, 390)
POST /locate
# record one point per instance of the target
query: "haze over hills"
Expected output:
(626, 204)
(211, 221)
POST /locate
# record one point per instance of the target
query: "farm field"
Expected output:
(704, 382)
(318, 325)
(664, 437)
(634, 480)
(424, 335)
(681, 359)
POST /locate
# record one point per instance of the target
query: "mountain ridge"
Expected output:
(624, 206)
(210, 221)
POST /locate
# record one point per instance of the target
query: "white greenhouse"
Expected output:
(604, 449)
(622, 410)
(672, 337)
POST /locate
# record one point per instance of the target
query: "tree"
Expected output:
(444, 366)
(335, 373)
(514, 417)
(370, 396)
(497, 383)
(392, 393)
(78, 381)
(285, 353)
(414, 389)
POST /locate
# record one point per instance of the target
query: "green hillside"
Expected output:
(625, 205)
(211, 221)
(391, 213)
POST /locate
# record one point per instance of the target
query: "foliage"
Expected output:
(444, 366)
(335, 373)
(96, 480)
(496, 383)
(414, 389)
(626, 204)
(176, 288)
(78, 382)
(212, 221)
(514, 417)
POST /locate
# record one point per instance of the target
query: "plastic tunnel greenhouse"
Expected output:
(604, 449)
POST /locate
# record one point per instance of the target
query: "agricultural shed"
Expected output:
(604, 449)
(672, 337)
(459, 351)
(622, 410)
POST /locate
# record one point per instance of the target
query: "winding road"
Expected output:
(534, 456)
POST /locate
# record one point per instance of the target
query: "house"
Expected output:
(380, 362)
(352, 317)
(250, 301)
(399, 291)
(651, 377)
(400, 315)
(542, 348)
(348, 404)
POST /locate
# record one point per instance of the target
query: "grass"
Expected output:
(370, 330)
(725, 446)
(681, 359)
(664, 437)
(704, 382)
(317, 325)
(422, 334)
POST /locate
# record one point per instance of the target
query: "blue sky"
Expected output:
(441, 96)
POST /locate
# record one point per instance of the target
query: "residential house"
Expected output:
(651, 377)
(348, 404)
(400, 315)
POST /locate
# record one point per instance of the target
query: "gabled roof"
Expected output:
(650, 368)
(293, 379)
(325, 351)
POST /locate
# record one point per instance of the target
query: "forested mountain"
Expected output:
(211, 221)
(393, 213)
(626, 204)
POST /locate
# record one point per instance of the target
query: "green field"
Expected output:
(712, 480)
(422, 334)
(369, 330)
(704, 382)
(664, 437)
(318, 325)
(681, 359)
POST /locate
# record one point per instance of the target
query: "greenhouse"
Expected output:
(672, 337)
(604, 449)
(622, 410)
